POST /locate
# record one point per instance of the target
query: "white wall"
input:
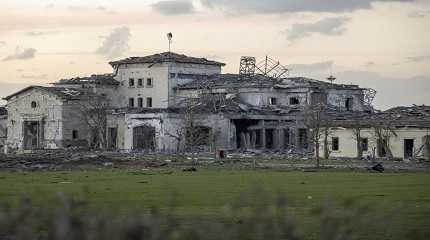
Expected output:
(348, 147)
(163, 84)
(158, 92)
(49, 108)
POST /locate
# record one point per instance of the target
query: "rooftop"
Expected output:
(235, 81)
(166, 57)
(100, 79)
(415, 116)
(64, 93)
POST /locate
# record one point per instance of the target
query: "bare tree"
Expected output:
(383, 132)
(356, 131)
(317, 120)
(93, 112)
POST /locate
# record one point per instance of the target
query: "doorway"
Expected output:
(32, 135)
(113, 135)
(144, 138)
(408, 148)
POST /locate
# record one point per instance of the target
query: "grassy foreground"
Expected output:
(397, 202)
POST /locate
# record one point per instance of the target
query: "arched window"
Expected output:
(33, 104)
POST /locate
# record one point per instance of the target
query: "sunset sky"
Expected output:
(383, 45)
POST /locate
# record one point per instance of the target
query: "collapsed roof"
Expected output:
(99, 79)
(61, 92)
(415, 116)
(166, 57)
(221, 81)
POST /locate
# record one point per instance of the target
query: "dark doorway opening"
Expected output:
(303, 138)
(33, 134)
(349, 102)
(408, 148)
(112, 138)
(287, 143)
(258, 141)
(144, 138)
(242, 126)
(270, 134)
(381, 147)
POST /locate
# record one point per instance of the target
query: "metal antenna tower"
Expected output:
(272, 68)
(247, 67)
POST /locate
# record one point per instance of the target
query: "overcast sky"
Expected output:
(383, 44)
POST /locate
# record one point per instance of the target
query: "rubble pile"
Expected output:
(58, 160)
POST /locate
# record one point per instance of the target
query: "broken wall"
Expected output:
(166, 126)
(180, 73)
(116, 121)
(76, 132)
(348, 145)
(48, 109)
(338, 98)
(3, 132)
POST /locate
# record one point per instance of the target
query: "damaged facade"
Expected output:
(171, 102)
(398, 133)
(3, 128)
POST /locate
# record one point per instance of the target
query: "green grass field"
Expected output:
(400, 200)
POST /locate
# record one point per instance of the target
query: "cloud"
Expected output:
(116, 44)
(22, 54)
(106, 10)
(370, 64)
(310, 69)
(39, 77)
(2, 43)
(416, 59)
(288, 6)
(50, 5)
(391, 90)
(174, 7)
(419, 14)
(76, 8)
(327, 26)
(39, 34)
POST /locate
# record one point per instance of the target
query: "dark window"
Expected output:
(381, 145)
(113, 135)
(408, 148)
(131, 82)
(294, 101)
(303, 138)
(149, 82)
(75, 134)
(364, 144)
(149, 102)
(131, 102)
(140, 82)
(335, 144)
(172, 75)
(273, 101)
(349, 102)
(140, 102)
(33, 104)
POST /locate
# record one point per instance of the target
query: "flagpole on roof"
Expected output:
(169, 37)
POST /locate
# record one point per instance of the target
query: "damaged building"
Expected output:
(171, 102)
(3, 128)
(397, 133)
